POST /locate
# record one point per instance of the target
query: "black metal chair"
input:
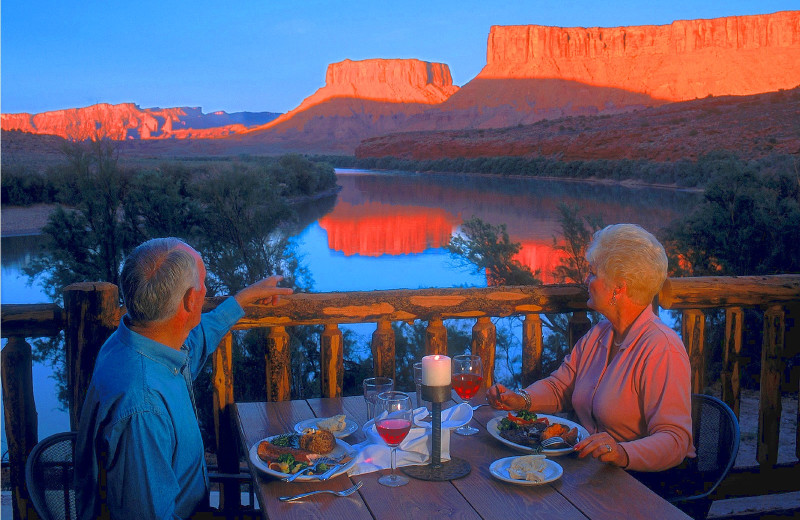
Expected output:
(716, 440)
(48, 475)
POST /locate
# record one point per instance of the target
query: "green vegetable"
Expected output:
(288, 458)
(505, 424)
(282, 440)
(322, 467)
(528, 416)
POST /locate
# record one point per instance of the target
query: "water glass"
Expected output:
(372, 387)
(418, 384)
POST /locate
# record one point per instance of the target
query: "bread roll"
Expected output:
(336, 423)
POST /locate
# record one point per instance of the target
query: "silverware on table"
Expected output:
(313, 467)
(555, 441)
(343, 493)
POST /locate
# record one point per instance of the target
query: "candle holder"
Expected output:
(436, 469)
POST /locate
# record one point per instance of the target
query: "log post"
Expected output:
(278, 365)
(224, 429)
(21, 419)
(332, 360)
(769, 410)
(579, 325)
(484, 344)
(532, 344)
(731, 369)
(694, 329)
(383, 350)
(436, 337)
(92, 314)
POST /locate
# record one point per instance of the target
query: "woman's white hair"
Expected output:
(154, 278)
(629, 253)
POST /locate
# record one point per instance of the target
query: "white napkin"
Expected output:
(374, 454)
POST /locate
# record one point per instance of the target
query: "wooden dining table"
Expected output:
(587, 488)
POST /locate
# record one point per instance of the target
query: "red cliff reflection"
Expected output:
(540, 255)
(374, 229)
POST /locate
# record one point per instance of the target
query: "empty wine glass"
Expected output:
(393, 422)
(374, 386)
(467, 379)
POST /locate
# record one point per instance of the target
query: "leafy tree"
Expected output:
(577, 237)
(488, 248)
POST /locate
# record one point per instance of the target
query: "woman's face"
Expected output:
(600, 291)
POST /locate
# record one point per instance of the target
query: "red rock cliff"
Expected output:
(127, 121)
(687, 59)
(396, 81)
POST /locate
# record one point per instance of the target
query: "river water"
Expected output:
(386, 230)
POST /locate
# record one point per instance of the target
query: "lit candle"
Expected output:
(436, 370)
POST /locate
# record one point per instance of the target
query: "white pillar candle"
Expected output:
(436, 370)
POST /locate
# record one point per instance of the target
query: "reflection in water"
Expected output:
(403, 214)
(374, 229)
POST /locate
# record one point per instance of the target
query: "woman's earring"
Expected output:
(613, 299)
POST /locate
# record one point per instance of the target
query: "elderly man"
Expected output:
(139, 422)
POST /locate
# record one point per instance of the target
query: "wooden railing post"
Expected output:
(532, 344)
(21, 419)
(92, 314)
(769, 410)
(383, 350)
(579, 325)
(436, 337)
(224, 429)
(484, 344)
(332, 360)
(731, 370)
(694, 330)
(278, 365)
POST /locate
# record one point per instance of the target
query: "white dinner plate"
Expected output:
(491, 427)
(499, 469)
(341, 450)
(350, 427)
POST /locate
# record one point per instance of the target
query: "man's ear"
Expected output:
(188, 300)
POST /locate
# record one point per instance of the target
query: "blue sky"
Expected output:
(268, 55)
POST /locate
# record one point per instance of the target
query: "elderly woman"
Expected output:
(628, 378)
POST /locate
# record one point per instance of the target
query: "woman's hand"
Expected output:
(502, 398)
(604, 448)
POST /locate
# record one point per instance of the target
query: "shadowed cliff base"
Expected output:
(752, 126)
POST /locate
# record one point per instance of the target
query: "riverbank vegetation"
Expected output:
(683, 173)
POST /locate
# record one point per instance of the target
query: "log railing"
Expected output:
(91, 313)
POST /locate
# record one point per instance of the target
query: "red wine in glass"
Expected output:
(393, 431)
(466, 381)
(393, 422)
(467, 385)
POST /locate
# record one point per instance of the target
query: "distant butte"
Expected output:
(532, 73)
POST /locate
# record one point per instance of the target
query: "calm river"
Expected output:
(387, 231)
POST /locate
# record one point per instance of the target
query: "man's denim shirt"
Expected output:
(140, 416)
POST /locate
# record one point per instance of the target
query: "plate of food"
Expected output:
(525, 430)
(339, 425)
(285, 454)
(526, 470)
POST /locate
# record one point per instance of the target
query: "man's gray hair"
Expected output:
(155, 277)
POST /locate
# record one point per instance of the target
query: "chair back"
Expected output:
(716, 440)
(49, 477)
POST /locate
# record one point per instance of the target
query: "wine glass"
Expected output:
(393, 422)
(374, 386)
(467, 379)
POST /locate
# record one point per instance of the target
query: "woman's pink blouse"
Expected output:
(642, 398)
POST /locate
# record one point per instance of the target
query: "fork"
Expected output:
(343, 493)
(553, 441)
(293, 476)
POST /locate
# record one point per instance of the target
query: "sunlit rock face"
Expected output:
(687, 59)
(128, 121)
(535, 72)
(375, 89)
